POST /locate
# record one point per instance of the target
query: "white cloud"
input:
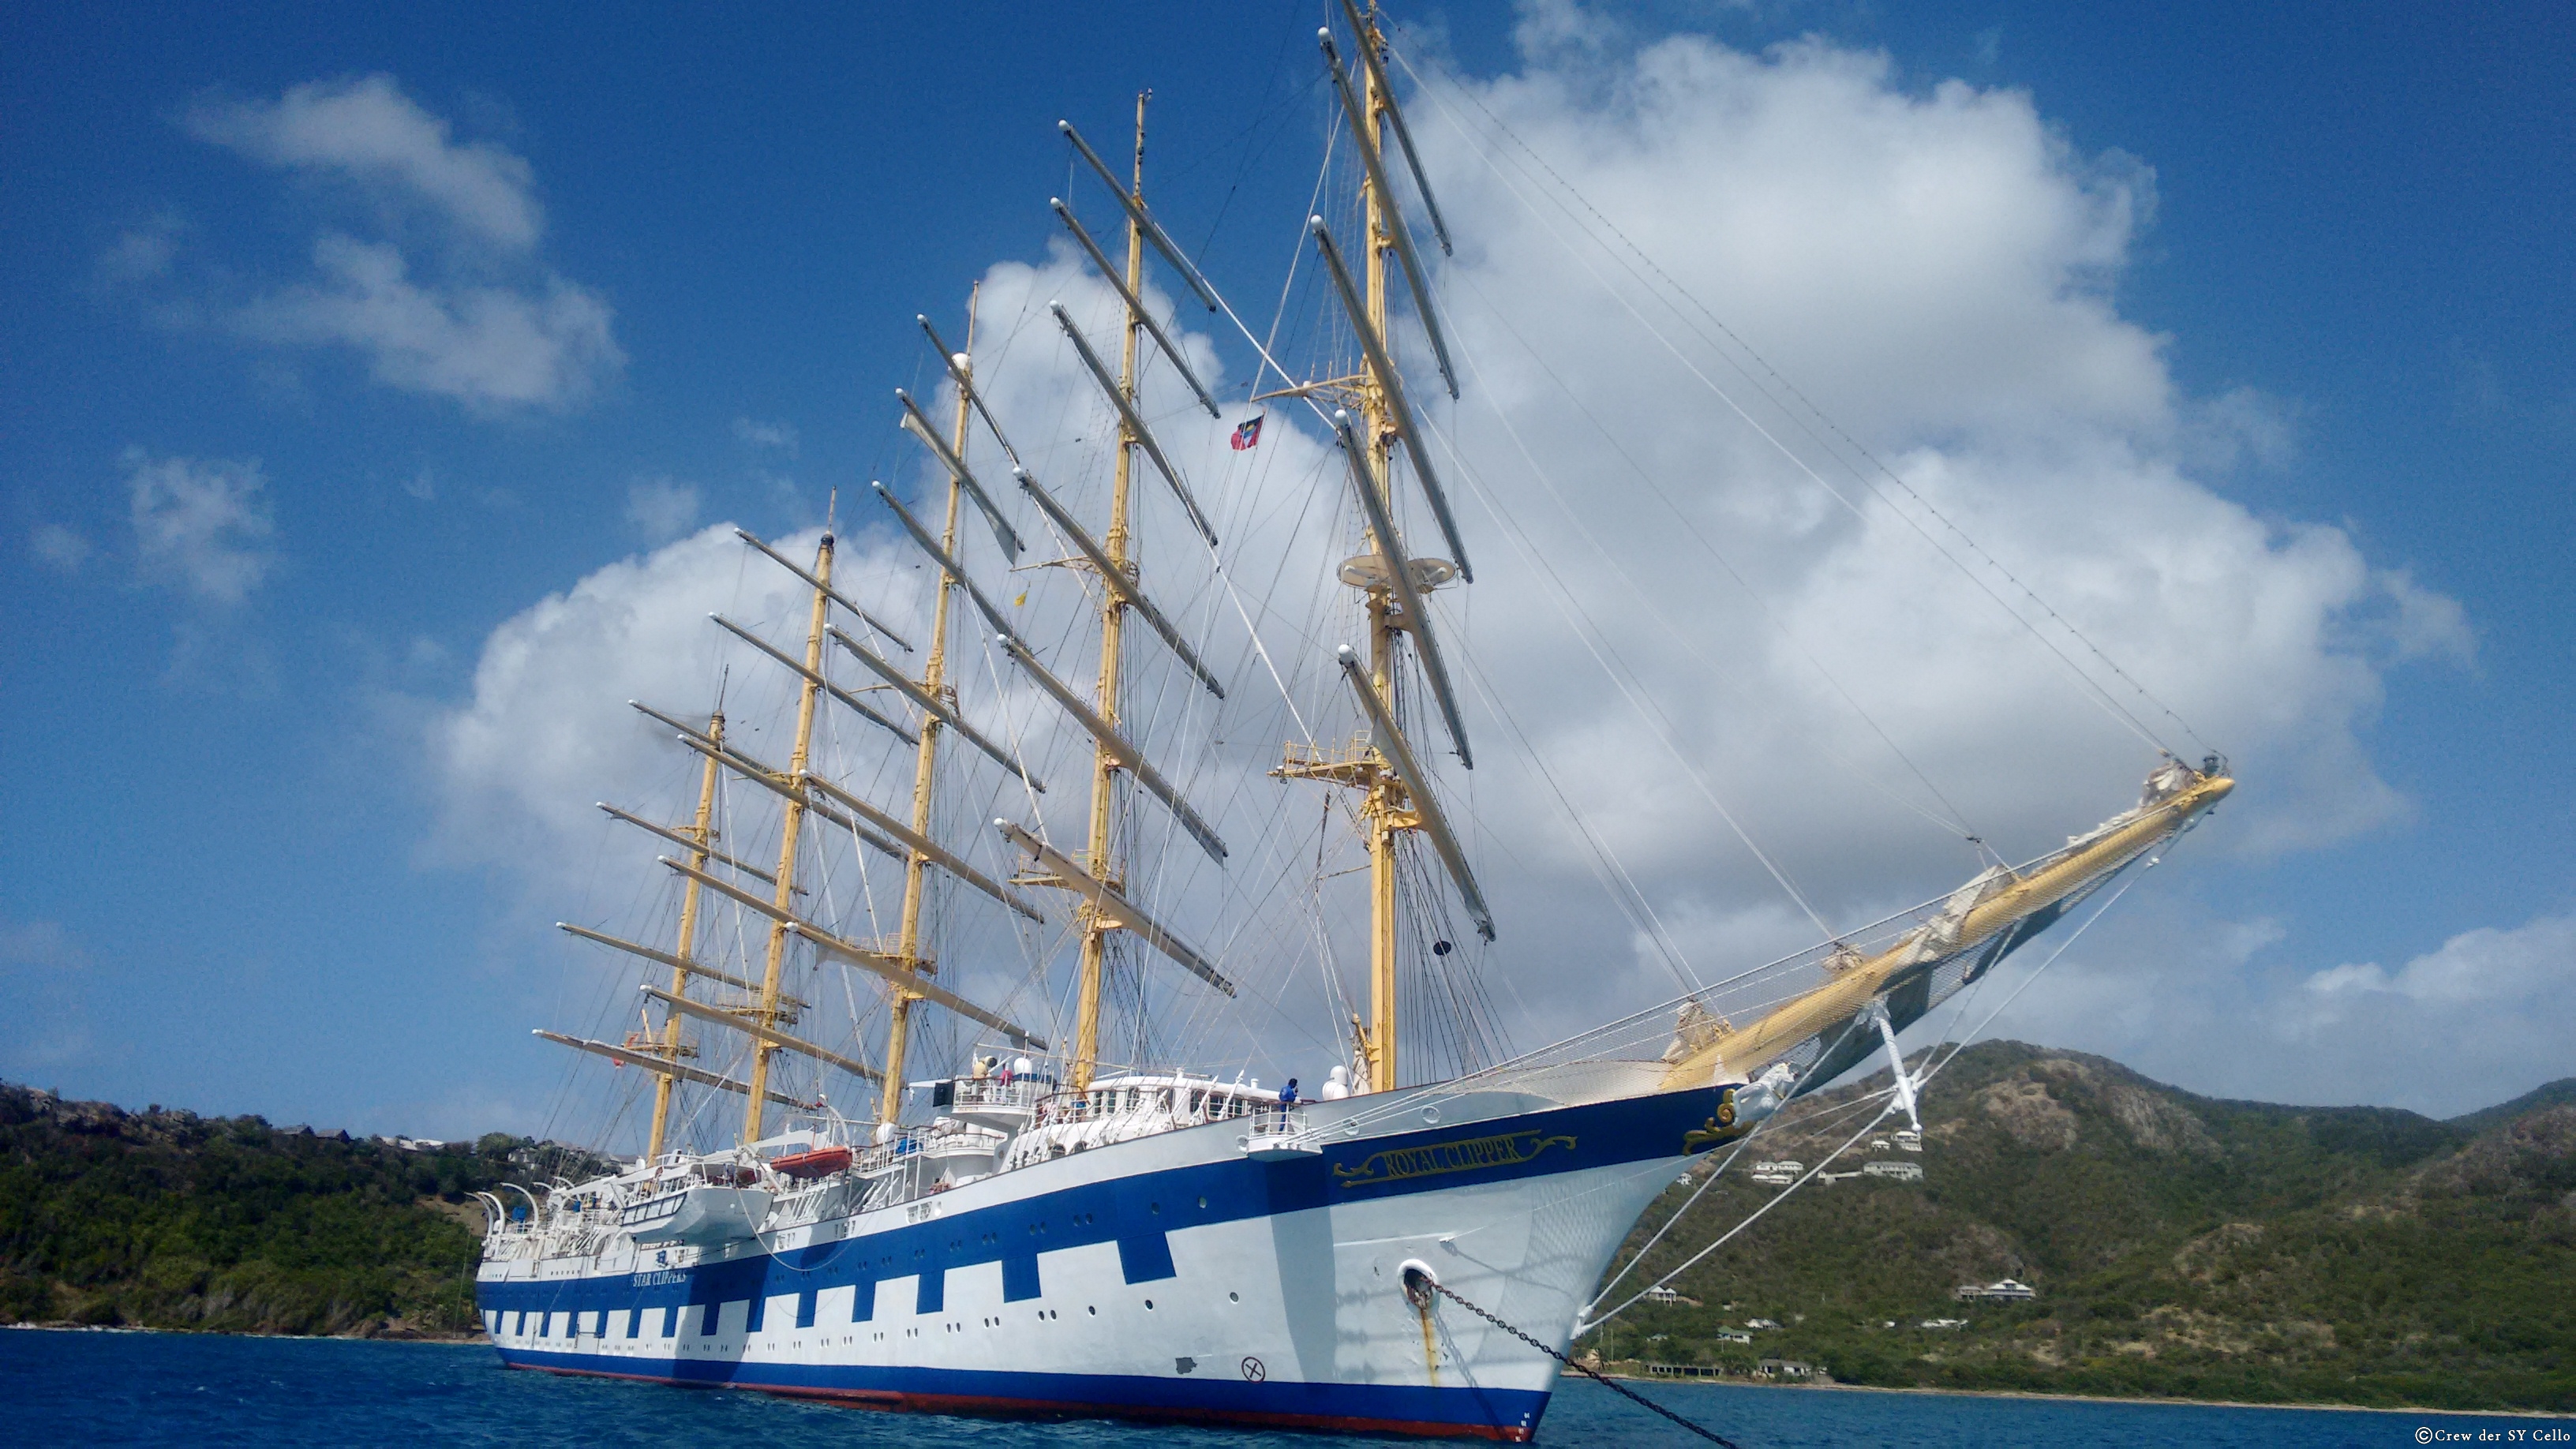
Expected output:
(61, 549)
(547, 731)
(2240, 425)
(44, 945)
(2427, 625)
(2485, 967)
(368, 131)
(1550, 29)
(140, 256)
(1936, 266)
(200, 525)
(2227, 1009)
(780, 436)
(478, 319)
(661, 508)
(489, 347)
(42, 967)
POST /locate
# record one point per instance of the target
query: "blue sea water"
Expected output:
(80, 1389)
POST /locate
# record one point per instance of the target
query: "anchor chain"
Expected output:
(1417, 1280)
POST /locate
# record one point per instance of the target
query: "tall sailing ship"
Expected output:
(1045, 1228)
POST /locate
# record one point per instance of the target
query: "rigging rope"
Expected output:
(1608, 868)
(1622, 1390)
(1924, 1081)
(1639, 1257)
(2096, 691)
(1596, 643)
(1957, 823)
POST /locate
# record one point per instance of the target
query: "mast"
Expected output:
(934, 682)
(904, 969)
(765, 1015)
(1388, 804)
(702, 836)
(1113, 621)
(1385, 794)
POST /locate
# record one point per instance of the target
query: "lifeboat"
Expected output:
(693, 1213)
(820, 1162)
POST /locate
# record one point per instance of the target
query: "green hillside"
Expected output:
(165, 1219)
(2559, 1093)
(2180, 1246)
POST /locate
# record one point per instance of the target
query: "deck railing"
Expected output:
(1276, 1124)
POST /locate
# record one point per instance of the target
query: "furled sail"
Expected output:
(1998, 910)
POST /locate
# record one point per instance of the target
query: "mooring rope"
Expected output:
(1622, 1390)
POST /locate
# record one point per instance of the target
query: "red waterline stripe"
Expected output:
(894, 1401)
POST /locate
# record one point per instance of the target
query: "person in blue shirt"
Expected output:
(1288, 1093)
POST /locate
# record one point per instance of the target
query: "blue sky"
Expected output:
(237, 877)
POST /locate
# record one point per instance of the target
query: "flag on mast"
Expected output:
(1247, 434)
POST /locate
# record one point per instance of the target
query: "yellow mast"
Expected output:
(1385, 800)
(704, 834)
(1113, 619)
(1386, 807)
(766, 1013)
(934, 681)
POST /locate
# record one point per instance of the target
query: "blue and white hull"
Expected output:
(1175, 1276)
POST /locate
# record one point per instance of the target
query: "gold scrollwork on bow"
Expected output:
(1721, 1128)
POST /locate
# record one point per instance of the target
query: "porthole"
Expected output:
(1234, 1298)
(1094, 1312)
(1202, 1204)
(1149, 1305)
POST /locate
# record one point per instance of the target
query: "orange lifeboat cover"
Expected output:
(820, 1162)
